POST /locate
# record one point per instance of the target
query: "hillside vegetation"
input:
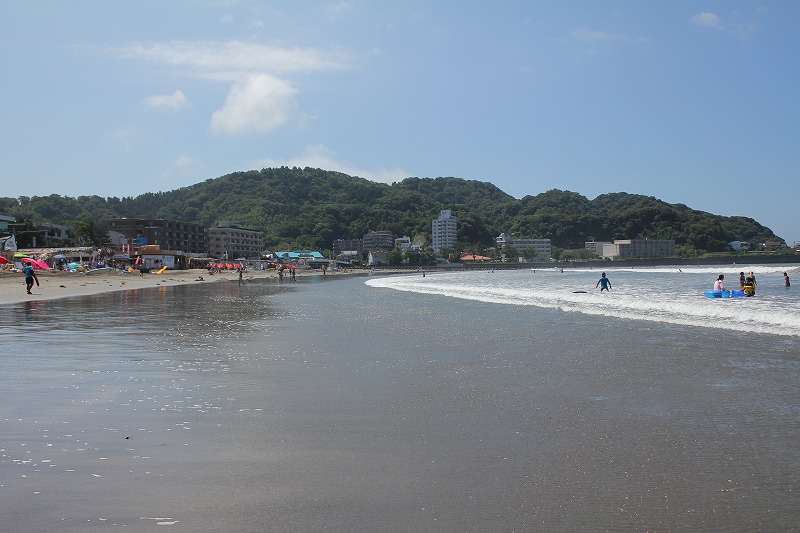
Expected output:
(309, 208)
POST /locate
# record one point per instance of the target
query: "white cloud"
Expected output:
(259, 103)
(233, 58)
(319, 156)
(709, 20)
(174, 101)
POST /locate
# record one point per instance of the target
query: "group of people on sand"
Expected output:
(746, 283)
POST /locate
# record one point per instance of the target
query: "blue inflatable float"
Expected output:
(711, 293)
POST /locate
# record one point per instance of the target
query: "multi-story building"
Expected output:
(443, 230)
(595, 247)
(541, 248)
(636, 248)
(230, 240)
(349, 248)
(176, 235)
(378, 240)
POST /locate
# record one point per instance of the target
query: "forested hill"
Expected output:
(310, 208)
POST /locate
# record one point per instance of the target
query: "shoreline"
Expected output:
(56, 284)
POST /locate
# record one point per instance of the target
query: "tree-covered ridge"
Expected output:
(310, 208)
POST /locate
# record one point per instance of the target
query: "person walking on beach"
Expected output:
(604, 283)
(30, 277)
(719, 285)
(786, 280)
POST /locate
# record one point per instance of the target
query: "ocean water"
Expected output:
(475, 401)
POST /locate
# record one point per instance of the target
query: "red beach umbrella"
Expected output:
(3, 260)
(33, 262)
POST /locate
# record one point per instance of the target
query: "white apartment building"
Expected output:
(542, 248)
(443, 231)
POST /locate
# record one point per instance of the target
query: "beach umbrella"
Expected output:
(3, 260)
(19, 254)
(59, 256)
(42, 264)
(34, 263)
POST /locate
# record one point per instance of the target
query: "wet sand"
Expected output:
(55, 284)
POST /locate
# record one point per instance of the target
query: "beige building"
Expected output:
(228, 240)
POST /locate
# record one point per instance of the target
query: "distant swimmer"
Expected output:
(604, 283)
(786, 280)
(719, 285)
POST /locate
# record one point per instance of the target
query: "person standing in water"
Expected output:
(786, 280)
(752, 277)
(749, 287)
(604, 283)
(719, 285)
(741, 280)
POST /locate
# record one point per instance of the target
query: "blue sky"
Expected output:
(688, 101)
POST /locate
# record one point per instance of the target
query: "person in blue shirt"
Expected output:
(604, 283)
(30, 276)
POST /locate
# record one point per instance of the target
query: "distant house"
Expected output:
(739, 245)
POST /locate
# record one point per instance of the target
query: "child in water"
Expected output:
(749, 287)
(605, 284)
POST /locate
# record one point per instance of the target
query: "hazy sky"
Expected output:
(689, 101)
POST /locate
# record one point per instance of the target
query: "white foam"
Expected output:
(653, 294)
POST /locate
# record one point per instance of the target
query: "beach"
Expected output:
(57, 284)
(455, 402)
